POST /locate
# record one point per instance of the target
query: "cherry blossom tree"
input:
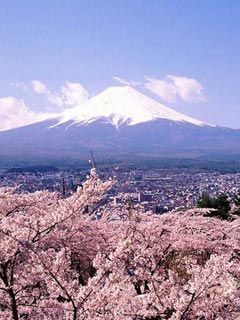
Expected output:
(59, 262)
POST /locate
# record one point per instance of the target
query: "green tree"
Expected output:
(220, 204)
(205, 201)
(236, 200)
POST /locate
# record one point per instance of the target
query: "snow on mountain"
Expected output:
(123, 105)
(145, 128)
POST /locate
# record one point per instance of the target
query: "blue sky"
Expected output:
(89, 41)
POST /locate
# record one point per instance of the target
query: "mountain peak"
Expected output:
(124, 105)
(115, 89)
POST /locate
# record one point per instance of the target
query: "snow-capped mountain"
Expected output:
(119, 122)
(123, 105)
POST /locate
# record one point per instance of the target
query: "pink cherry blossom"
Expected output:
(57, 262)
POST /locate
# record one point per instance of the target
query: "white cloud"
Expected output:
(14, 113)
(172, 87)
(126, 83)
(73, 93)
(70, 95)
(39, 87)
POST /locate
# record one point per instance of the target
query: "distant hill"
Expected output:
(120, 122)
(33, 169)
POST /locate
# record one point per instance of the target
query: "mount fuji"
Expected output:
(123, 105)
(119, 122)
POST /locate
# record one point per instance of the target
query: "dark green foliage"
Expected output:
(237, 212)
(236, 200)
(205, 201)
(220, 204)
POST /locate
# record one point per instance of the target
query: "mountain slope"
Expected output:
(119, 122)
(123, 105)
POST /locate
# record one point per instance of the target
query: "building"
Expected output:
(144, 197)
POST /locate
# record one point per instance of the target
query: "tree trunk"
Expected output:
(13, 304)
